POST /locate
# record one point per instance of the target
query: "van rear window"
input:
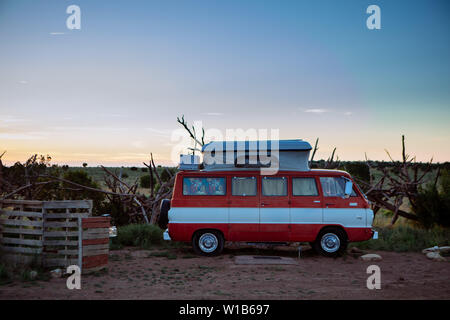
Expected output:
(204, 186)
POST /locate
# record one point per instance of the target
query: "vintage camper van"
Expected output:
(237, 202)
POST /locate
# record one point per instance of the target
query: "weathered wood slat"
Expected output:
(11, 213)
(28, 242)
(57, 224)
(87, 242)
(58, 262)
(96, 231)
(97, 225)
(21, 258)
(12, 222)
(93, 269)
(21, 250)
(49, 234)
(60, 242)
(96, 246)
(65, 215)
(20, 202)
(21, 231)
(95, 236)
(88, 253)
(68, 204)
(68, 252)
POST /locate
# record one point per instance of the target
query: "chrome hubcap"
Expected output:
(208, 242)
(330, 242)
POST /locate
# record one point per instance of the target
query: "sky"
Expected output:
(110, 92)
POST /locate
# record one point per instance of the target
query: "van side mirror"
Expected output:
(348, 188)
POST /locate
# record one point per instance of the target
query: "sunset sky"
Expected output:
(110, 92)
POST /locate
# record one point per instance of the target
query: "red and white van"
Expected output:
(322, 207)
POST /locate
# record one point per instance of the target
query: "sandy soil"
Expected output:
(136, 274)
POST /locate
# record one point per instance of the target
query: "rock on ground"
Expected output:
(435, 256)
(33, 275)
(436, 249)
(371, 257)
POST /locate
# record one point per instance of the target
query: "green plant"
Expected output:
(139, 235)
(5, 277)
(403, 238)
(359, 170)
(432, 205)
(145, 181)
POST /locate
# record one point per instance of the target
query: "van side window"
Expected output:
(334, 187)
(304, 187)
(243, 186)
(204, 186)
(274, 186)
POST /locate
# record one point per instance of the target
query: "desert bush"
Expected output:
(81, 177)
(145, 181)
(403, 238)
(4, 275)
(432, 205)
(359, 170)
(165, 176)
(139, 235)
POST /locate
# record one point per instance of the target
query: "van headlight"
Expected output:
(112, 232)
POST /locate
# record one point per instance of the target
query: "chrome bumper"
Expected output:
(375, 235)
(112, 232)
(166, 235)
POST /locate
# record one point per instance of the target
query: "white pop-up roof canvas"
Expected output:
(244, 155)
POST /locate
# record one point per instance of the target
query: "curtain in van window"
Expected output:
(243, 186)
(332, 186)
(274, 186)
(204, 186)
(304, 187)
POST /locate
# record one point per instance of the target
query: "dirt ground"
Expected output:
(176, 273)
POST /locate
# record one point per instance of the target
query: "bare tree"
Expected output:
(399, 182)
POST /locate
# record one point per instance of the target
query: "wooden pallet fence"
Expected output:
(95, 244)
(21, 231)
(62, 236)
(46, 232)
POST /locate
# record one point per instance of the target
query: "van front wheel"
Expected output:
(331, 242)
(208, 242)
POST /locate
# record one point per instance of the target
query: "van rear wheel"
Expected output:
(331, 242)
(208, 242)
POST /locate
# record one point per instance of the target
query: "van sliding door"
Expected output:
(274, 209)
(306, 209)
(244, 209)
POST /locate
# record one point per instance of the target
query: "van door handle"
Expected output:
(359, 217)
(330, 204)
(264, 204)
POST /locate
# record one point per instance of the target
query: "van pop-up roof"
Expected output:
(242, 155)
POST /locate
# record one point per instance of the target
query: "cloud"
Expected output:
(138, 144)
(160, 133)
(11, 119)
(56, 33)
(348, 113)
(19, 136)
(318, 111)
(23, 82)
(213, 114)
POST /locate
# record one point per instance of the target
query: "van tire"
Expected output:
(163, 219)
(331, 242)
(208, 242)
